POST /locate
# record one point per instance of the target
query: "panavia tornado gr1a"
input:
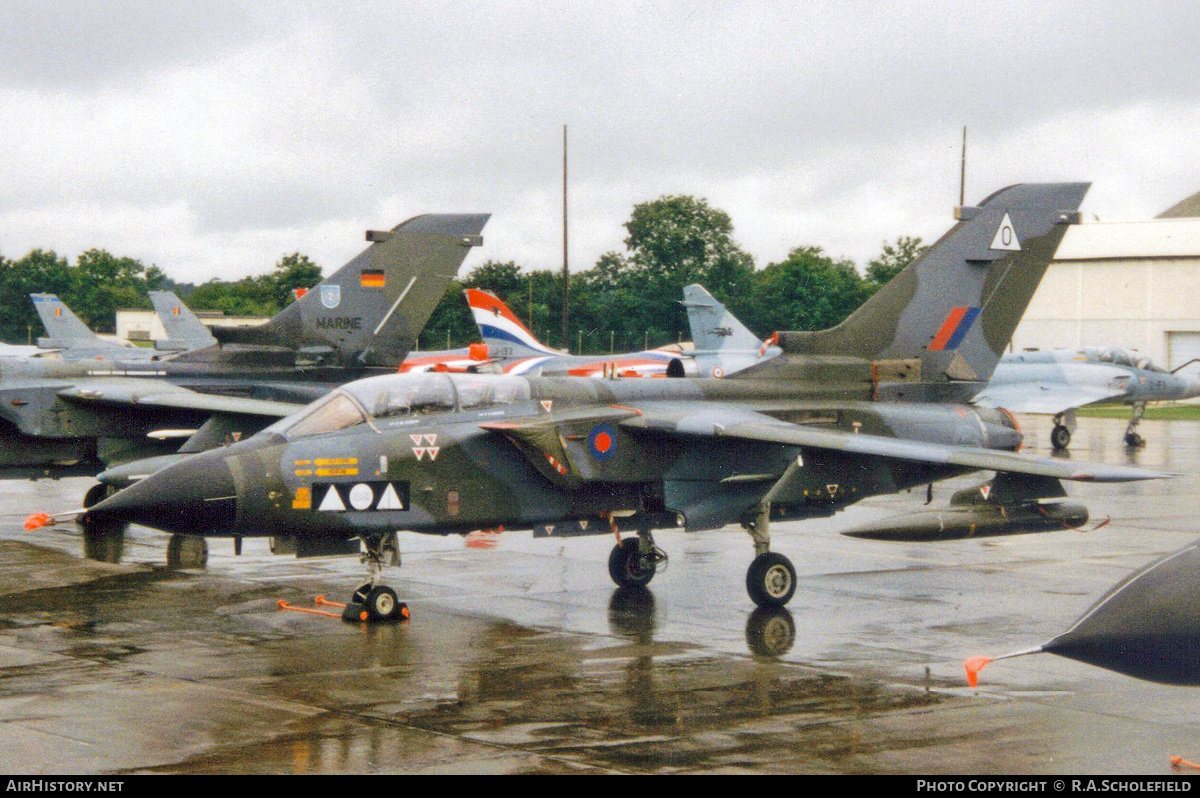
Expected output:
(873, 406)
(68, 418)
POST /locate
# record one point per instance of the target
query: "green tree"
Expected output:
(101, 283)
(807, 291)
(674, 241)
(41, 271)
(893, 260)
(291, 272)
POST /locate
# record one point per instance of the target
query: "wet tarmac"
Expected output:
(522, 657)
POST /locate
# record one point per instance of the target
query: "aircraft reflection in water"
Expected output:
(1147, 626)
(872, 406)
(1059, 380)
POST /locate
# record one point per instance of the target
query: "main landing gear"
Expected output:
(1064, 425)
(771, 578)
(373, 601)
(1131, 437)
(635, 561)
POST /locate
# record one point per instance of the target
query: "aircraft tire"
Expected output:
(382, 604)
(1060, 437)
(771, 580)
(770, 631)
(187, 551)
(623, 564)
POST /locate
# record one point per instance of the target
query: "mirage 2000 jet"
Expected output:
(875, 405)
(1059, 380)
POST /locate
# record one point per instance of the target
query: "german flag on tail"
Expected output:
(372, 278)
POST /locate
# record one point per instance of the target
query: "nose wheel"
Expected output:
(373, 601)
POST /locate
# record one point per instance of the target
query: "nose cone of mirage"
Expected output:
(194, 497)
(1191, 387)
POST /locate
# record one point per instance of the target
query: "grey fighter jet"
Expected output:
(73, 340)
(1058, 381)
(62, 418)
(875, 405)
(184, 330)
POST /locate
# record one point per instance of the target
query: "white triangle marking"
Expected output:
(332, 501)
(419, 451)
(416, 439)
(433, 452)
(1006, 236)
(430, 439)
(389, 500)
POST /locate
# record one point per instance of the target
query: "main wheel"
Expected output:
(625, 564)
(187, 551)
(382, 604)
(771, 580)
(1060, 437)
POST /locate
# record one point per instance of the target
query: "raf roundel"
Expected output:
(602, 442)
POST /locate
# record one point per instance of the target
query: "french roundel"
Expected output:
(602, 442)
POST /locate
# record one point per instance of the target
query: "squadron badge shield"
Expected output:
(331, 296)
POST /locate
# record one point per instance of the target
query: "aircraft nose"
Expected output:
(194, 497)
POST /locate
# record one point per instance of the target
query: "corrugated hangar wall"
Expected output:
(1129, 284)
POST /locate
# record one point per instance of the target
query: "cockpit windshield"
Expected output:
(334, 412)
(1124, 357)
(400, 396)
(418, 393)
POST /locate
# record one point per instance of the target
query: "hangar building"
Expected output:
(1133, 284)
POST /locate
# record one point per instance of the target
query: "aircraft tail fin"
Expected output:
(65, 330)
(949, 315)
(184, 329)
(370, 311)
(500, 329)
(713, 327)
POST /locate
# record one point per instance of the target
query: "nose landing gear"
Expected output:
(373, 601)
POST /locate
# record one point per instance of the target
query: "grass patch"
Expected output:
(1160, 412)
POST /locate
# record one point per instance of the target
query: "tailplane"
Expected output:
(65, 330)
(949, 315)
(184, 330)
(500, 329)
(713, 327)
(370, 311)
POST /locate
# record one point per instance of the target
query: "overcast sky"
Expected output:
(210, 138)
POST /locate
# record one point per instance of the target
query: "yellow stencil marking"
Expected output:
(302, 500)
